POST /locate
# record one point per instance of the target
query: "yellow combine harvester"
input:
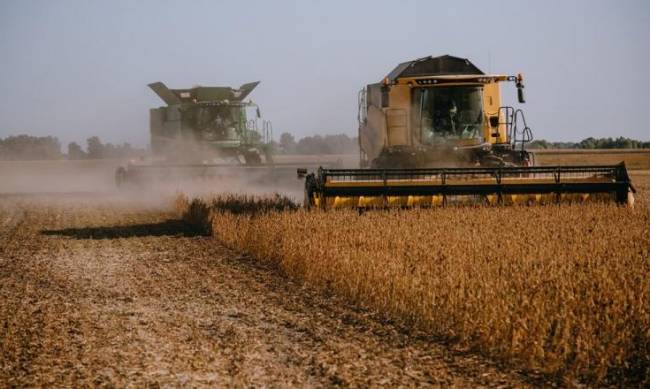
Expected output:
(434, 132)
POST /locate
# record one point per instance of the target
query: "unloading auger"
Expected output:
(433, 132)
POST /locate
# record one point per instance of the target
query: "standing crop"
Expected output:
(560, 289)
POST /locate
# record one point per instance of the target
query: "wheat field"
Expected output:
(562, 290)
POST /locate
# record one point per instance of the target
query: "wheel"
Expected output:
(531, 159)
(252, 157)
(268, 157)
(120, 176)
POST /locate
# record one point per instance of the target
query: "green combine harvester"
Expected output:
(199, 133)
(211, 135)
(207, 123)
(202, 132)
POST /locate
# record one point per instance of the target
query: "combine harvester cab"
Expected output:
(434, 133)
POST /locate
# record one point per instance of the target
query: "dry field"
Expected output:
(560, 290)
(101, 290)
(634, 159)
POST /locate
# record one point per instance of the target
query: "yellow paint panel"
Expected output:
(435, 201)
(397, 124)
(491, 104)
(397, 116)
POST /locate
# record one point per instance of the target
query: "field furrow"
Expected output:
(100, 291)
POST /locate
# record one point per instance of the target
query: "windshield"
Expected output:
(216, 123)
(443, 113)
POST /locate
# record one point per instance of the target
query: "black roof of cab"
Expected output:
(434, 66)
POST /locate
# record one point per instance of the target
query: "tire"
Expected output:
(268, 157)
(120, 177)
(252, 157)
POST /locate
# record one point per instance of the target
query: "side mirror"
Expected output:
(385, 102)
(520, 88)
(520, 94)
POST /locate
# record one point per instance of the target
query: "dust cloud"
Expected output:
(97, 178)
(58, 176)
(196, 182)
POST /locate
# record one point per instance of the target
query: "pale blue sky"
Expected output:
(79, 68)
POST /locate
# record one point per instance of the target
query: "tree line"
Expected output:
(343, 144)
(95, 149)
(27, 147)
(317, 144)
(592, 143)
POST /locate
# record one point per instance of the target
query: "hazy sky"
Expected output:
(79, 68)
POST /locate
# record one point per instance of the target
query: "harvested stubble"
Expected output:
(559, 289)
